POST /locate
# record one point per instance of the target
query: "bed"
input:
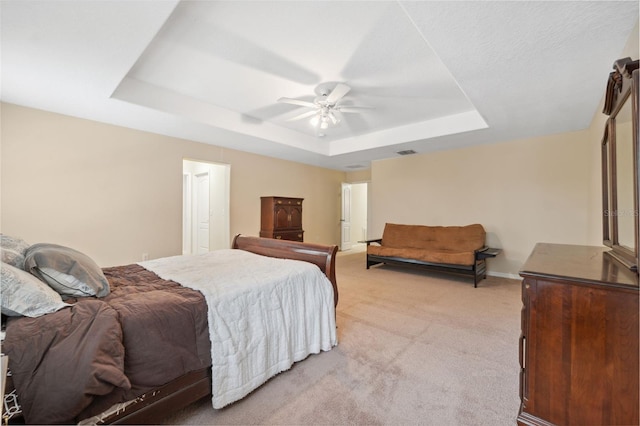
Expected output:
(152, 346)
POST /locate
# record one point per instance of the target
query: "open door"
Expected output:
(205, 210)
(203, 213)
(345, 221)
(186, 213)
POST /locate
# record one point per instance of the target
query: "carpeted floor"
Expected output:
(414, 348)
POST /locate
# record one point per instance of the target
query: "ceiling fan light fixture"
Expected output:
(324, 105)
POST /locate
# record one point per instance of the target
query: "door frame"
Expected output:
(361, 223)
(219, 204)
(345, 217)
(198, 198)
(186, 213)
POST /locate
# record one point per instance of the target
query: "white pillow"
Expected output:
(23, 294)
(13, 250)
(64, 284)
(68, 263)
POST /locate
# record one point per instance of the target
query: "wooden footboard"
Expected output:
(322, 256)
(152, 407)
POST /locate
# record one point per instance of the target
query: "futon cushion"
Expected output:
(466, 258)
(439, 238)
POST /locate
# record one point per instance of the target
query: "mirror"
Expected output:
(620, 164)
(607, 217)
(624, 176)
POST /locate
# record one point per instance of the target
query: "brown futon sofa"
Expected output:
(457, 249)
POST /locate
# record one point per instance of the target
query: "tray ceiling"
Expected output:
(433, 75)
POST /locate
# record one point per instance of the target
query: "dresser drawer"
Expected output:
(288, 201)
(284, 235)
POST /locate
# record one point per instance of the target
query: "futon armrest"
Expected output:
(487, 252)
(377, 240)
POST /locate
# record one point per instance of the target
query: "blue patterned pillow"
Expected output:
(23, 294)
(13, 250)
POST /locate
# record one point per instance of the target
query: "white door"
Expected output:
(196, 176)
(345, 222)
(219, 206)
(202, 213)
(186, 213)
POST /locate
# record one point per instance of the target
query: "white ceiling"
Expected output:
(436, 75)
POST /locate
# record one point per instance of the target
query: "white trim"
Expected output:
(186, 213)
(504, 275)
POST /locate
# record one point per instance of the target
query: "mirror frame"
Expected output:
(622, 86)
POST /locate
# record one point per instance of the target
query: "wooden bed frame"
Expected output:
(155, 405)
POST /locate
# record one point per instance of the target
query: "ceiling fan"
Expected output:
(325, 105)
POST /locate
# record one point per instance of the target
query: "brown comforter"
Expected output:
(79, 361)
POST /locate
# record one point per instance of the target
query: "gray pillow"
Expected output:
(13, 250)
(24, 294)
(67, 271)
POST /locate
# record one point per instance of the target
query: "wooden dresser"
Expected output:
(579, 342)
(281, 218)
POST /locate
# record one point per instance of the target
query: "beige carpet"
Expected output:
(414, 348)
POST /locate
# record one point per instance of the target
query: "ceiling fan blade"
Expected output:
(351, 108)
(301, 116)
(337, 93)
(297, 102)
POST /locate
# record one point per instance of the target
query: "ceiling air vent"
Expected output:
(355, 166)
(406, 152)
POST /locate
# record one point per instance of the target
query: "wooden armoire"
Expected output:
(281, 218)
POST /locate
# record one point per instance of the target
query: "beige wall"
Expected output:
(359, 176)
(522, 192)
(545, 189)
(115, 193)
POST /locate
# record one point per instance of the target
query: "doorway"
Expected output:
(205, 206)
(354, 215)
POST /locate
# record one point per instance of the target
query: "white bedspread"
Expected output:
(264, 314)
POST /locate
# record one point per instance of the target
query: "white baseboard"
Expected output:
(504, 275)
